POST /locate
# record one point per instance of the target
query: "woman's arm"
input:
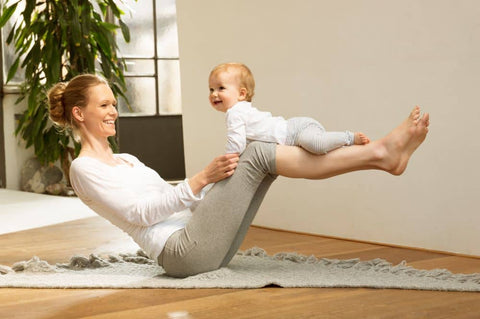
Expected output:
(139, 196)
(220, 168)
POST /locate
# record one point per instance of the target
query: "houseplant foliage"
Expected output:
(56, 40)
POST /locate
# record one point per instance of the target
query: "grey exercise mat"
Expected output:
(249, 269)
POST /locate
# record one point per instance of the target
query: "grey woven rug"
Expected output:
(249, 269)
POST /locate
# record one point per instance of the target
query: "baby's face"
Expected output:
(224, 91)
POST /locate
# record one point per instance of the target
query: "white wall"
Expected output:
(359, 65)
(15, 152)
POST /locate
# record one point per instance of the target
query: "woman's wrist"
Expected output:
(198, 182)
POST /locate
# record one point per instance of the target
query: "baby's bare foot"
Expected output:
(360, 139)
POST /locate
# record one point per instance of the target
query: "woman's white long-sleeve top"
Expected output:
(134, 198)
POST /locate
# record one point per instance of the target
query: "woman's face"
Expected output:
(101, 112)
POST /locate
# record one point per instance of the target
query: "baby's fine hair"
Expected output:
(243, 73)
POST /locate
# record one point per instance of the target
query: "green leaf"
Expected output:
(55, 67)
(103, 43)
(39, 145)
(11, 35)
(103, 7)
(108, 26)
(20, 124)
(107, 71)
(113, 144)
(13, 69)
(113, 6)
(27, 134)
(7, 14)
(77, 147)
(125, 31)
(33, 55)
(76, 31)
(27, 13)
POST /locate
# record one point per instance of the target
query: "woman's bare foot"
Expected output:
(360, 138)
(397, 147)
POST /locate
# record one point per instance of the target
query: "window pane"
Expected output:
(169, 87)
(9, 54)
(167, 36)
(141, 95)
(140, 67)
(139, 18)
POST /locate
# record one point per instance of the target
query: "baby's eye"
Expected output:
(222, 88)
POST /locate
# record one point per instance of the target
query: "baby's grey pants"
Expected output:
(220, 221)
(309, 134)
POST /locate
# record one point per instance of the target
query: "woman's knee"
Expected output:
(190, 266)
(261, 155)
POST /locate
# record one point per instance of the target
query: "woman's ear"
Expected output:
(77, 113)
(243, 94)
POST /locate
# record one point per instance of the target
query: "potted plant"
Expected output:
(56, 40)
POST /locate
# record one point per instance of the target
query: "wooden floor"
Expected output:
(57, 243)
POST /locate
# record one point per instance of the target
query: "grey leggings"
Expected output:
(221, 220)
(311, 135)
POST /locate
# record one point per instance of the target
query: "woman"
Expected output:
(158, 216)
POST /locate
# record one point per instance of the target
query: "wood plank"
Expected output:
(58, 242)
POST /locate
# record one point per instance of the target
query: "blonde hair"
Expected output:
(243, 73)
(63, 96)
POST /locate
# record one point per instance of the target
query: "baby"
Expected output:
(231, 90)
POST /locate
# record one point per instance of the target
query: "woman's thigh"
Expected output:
(219, 220)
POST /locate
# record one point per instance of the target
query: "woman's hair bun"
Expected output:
(56, 105)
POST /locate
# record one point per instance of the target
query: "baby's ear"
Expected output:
(243, 94)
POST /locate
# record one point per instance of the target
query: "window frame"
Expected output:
(156, 76)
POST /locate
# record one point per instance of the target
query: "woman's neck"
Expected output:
(99, 149)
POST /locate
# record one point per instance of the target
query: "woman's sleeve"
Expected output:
(236, 134)
(109, 194)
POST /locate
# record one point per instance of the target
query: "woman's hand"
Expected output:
(220, 168)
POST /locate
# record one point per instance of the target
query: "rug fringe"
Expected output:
(95, 261)
(375, 265)
(76, 262)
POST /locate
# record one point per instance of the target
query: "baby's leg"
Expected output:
(316, 140)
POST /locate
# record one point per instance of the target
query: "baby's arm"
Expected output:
(236, 135)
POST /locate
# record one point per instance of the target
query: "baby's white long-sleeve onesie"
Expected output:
(245, 122)
(134, 198)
